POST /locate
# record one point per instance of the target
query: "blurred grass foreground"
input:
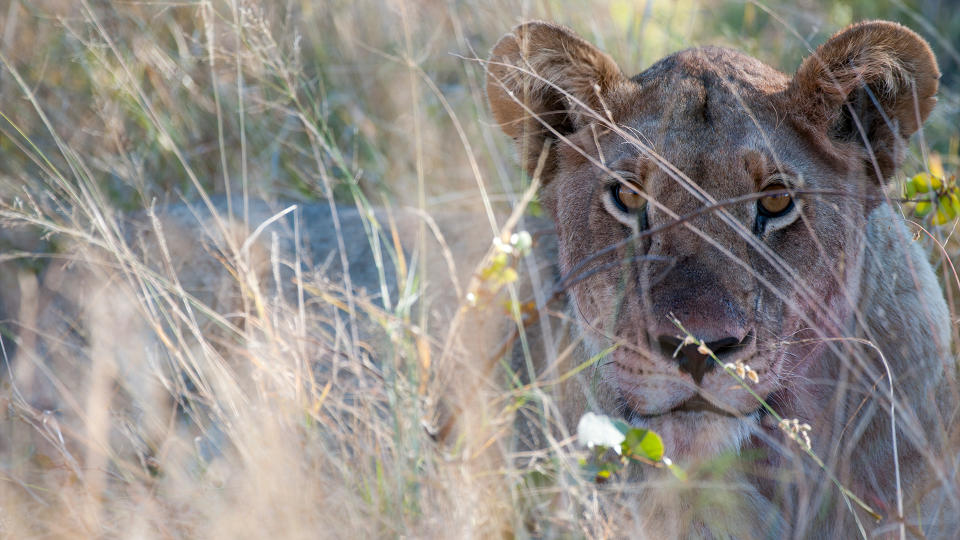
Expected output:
(227, 379)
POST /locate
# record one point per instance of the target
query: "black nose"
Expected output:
(691, 361)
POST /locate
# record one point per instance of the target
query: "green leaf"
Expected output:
(538, 479)
(534, 208)
(925, 182)
(955, 202)
(909, 189)
(946, 205)
(935, 182)
(923, 208)
(921, 182)
(940, 217)
(643, 443)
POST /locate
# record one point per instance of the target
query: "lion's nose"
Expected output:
(692, 361)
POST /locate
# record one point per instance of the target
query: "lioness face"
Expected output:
(713, 191)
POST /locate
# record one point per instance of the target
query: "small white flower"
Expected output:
(597, 429)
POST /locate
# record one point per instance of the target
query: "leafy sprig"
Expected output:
(938, 192)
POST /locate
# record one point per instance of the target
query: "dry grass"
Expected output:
(145, 398)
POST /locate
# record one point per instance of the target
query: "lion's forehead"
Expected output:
(719, 69)
(707, 89)
(706, 112)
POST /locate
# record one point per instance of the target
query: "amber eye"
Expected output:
(627, 199)
(777, 204)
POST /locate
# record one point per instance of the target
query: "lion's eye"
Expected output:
(777, 204)
(627, 199)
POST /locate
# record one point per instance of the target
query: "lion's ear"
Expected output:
(873, 83)
(543, 81)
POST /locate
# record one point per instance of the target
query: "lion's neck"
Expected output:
(897, 281)
(903, 323)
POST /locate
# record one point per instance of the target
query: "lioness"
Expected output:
(716, 192)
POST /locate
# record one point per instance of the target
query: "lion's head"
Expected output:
(714, 190)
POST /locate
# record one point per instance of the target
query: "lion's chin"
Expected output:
(695, 436)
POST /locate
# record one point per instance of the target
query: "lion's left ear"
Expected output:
(544, 82)
(872, 83)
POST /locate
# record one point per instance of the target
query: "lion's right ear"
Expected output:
(873, 83)
(543, 82)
